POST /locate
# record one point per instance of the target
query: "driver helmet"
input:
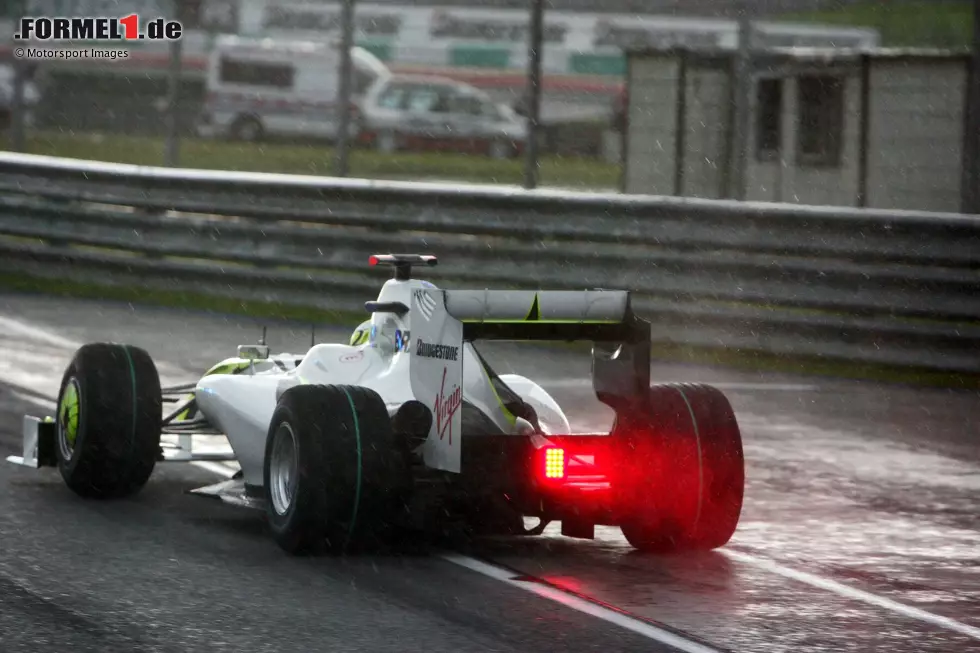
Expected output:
(361, 334)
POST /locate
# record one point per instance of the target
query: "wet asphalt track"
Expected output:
(859, 533)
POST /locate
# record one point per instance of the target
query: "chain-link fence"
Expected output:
(480, 48)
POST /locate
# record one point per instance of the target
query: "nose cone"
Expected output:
(214, 390)
(215, 383)
(239, 393)
(234, 402)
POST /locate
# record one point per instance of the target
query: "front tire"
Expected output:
(334, 474)
(683, 477)
(110, 414)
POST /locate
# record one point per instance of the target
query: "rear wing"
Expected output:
(540, 315)
(442, 320)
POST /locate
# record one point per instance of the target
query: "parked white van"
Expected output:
(265, 88)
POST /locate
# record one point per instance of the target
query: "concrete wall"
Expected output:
(706, 139)
(916, 139)
(652, 126)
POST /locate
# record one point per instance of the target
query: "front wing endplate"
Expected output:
(38, 443)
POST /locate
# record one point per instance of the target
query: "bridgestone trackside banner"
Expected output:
(574, 42)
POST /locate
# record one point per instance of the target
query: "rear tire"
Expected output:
(351, 474)
(683, 477)
(110, 414)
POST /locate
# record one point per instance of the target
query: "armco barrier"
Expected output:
(893, 287)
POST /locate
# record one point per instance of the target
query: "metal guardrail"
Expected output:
(874, 286)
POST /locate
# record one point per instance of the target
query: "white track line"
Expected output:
(581, 605)
(849, 592)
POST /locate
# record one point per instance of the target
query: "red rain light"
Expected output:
(372, 260)
(554, 463)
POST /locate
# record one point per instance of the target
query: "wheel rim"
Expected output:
(283, 469)
(68, 408)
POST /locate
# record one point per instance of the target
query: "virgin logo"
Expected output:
(445, 407)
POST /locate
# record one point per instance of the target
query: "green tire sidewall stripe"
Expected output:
(357, 489)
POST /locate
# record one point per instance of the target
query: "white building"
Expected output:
(878, 128)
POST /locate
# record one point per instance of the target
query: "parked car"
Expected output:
(415, 112)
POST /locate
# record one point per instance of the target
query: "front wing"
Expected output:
(182, 440)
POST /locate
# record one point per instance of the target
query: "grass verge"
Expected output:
(177, 299)
(318, 160)
(932, 23)
(742, 360)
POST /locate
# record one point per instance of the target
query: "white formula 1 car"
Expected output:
(408, 426)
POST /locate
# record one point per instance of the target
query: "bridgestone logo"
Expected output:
(442, 352)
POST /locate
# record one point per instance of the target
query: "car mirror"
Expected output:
(253, 352)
